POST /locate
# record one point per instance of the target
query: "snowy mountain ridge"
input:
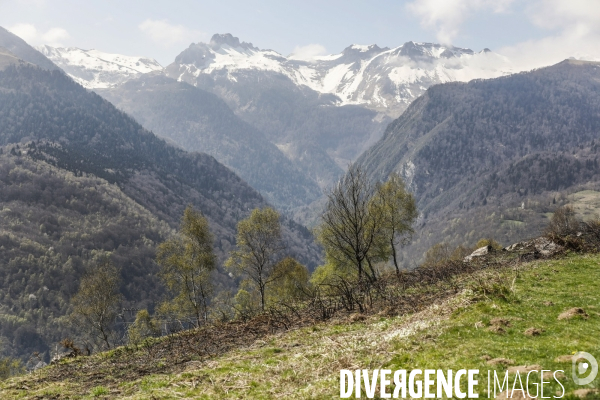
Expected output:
(95, 69)
(382, 79)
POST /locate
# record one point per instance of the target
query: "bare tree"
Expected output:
(564, 222)
(348, 229)
(95, 306)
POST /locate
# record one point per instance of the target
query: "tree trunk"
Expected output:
(394, 256)
(373, 277)
(360, 270)
(262, 298)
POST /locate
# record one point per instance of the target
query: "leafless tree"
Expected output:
(348, 230)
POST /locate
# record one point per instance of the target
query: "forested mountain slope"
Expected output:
(53, 226)
(80, 179)
(197, 120)
(492, 146)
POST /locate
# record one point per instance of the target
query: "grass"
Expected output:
(453, 334)
(99, 391)
(586, 203)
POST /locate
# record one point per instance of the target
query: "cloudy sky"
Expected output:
(531, 33)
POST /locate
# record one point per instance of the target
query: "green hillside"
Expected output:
(486, 320)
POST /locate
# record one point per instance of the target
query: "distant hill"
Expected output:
(22, 50)
(80, 179)
(197, 120)
(498, 148)
(7, 59)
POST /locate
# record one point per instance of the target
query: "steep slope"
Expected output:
(21, 49)
(80, 179)
(7, 59)
(86, 134)
(494, 148)
(54, 226)
(447, 331)
(95, 69)
(199, 121)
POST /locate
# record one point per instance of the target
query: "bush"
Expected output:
(563, 223)
(10, 367)
(143, 327)
(99, 391)
(488, 242)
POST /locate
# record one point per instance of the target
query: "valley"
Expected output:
(239, 222)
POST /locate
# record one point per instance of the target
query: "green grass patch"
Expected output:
(99, 391)
(540, 295)
(455, 334)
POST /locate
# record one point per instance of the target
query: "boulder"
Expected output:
(538, 246)
(480, 252)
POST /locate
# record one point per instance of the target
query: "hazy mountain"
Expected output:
(318, 134)
(321, 113)
(198, 120)
(80, 179)
(22, 50)
(325, 111)
(382, 79)
(7, 59)
(495, 149)
(95, 69)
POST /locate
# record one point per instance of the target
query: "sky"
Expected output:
(531, 33)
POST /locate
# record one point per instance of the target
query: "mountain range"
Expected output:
(83, 177)
(382, 79)
(319, 113)
(94, 69)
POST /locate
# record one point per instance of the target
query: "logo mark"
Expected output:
(587, 364)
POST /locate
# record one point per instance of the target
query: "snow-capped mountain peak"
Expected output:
(383, 79)
(97, 69)
(361, 47)
(218, 40)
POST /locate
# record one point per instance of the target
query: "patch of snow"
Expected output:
(360, 47)
(286, 148)
(96, 69)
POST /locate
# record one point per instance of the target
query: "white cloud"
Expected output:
(574, 31)
(166, 34)
(54, 36)
(446, 16)
(308, 52)
(30, 34)
(27, 32)
(572, 27)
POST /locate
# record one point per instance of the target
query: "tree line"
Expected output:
(361, 228)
